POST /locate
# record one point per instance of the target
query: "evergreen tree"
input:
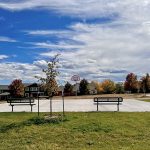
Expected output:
(68, 88)
(119, 88)
(145, 83)
(83, 87)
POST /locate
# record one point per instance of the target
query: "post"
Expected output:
(97, 104)
(38, 105)
(38, 101)
(51, 106)
(118, 105)
(76, 90)
(63, 102)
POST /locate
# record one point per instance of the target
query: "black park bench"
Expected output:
(108, 100)
(21, 101)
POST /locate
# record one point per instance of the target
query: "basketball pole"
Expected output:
(76, 78)
(76, 89)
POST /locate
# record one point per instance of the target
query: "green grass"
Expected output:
(146, 100)
(79, 131)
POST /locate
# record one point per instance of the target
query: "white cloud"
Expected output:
(60, 45)
(96, 51)
(86, 9)
(24, 71)
(6, 39)
(110, 51)
(47, 32)
(3, 57)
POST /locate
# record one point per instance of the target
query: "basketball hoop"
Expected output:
(75, 78)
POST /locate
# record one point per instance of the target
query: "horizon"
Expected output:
(97, 40)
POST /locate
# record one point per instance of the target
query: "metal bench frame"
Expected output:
(108, 100)
(21, 101)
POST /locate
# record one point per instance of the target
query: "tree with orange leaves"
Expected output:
(16, 88)
(107, 87)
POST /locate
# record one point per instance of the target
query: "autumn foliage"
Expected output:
(131, 83)
(16, 88)
(107, 87)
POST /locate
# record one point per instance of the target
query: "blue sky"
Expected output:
(96, 39)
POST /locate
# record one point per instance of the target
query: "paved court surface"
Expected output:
(84, 105)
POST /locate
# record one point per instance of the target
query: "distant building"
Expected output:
(4, 92)
(92, 89)
(4, 88)
(32, 90)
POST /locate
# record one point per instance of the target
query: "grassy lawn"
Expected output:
(146, 100)
(94, 131)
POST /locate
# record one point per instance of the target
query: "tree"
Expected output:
(16, 88)
(107, 87)
(131, 83)
(49, 81)
(145, 83)
(119, 88)
(83, 87)
(68, 88)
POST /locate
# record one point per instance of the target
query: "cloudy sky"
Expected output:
(97, 39)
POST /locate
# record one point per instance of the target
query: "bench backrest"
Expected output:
(20, 100)
(108, 99)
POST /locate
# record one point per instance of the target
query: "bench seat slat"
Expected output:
(20, 104)
(108, 99)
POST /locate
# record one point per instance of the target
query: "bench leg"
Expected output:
(31, 108)
(117, 107)
(97, 105)
(12, 108)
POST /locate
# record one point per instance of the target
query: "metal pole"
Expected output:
(38, 102)
(38, 105)
(51, 106)
(118, 105)
(97, 104)
(76, 90)
(63, 102)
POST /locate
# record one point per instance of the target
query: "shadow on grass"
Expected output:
(32, 121)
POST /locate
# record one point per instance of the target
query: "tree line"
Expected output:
(130, 85)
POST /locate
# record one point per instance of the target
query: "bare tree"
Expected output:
(49, 81)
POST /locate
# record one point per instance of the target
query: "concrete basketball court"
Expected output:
(82, 105)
